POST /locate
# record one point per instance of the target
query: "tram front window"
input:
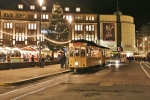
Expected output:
(82, 52)
(114, 56)
(77, 52)
(71, 52)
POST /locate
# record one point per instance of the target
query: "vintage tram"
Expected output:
(84, 54)
(117, 57)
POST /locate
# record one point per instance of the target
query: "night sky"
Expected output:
(138, 9)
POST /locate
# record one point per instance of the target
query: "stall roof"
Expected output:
(28, 48)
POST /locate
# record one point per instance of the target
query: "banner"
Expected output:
(108, 32)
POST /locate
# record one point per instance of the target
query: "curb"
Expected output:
(32, 79)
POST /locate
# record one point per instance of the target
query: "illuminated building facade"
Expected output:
(117, 32)
(19, 22)
(19, 25)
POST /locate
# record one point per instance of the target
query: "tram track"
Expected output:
(17, 94)
(146, 68)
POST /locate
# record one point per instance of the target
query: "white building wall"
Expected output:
(125, 18)
(127, 32)
(128, 36)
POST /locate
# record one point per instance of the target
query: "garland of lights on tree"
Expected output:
(58, 29)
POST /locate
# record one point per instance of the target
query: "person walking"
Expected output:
(32, 60)
(63, 61)
(8, 60)
(39, 60)
(42, 62)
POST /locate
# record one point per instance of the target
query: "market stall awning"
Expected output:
(28, 48)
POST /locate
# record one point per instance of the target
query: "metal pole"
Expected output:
(137, 46)
(40, 34)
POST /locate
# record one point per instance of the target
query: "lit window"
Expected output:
(90, 18)
(20, 6)
(66, 8)
(20, 36)
(45, 16)
(8, 25)
(35, 16)
(32, 7)
(32, 26)
(67, 17)
(77, 9)
(78, 27)
(43, 7)
(87, 18)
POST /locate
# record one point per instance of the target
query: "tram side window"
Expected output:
(71, 52)
(77, 52)
(95, 53)
(114, 56)
(82, 52)
(88, 52)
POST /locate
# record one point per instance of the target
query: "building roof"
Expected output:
(49, 5)
(117, 12)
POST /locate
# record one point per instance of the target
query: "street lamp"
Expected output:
(41, 2)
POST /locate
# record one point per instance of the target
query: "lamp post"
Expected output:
(40, 1)
(137, 45)
(70, 28)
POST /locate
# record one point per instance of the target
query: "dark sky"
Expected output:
(138, 9)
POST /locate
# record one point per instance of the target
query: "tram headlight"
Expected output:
(117, 61)
(76, 63)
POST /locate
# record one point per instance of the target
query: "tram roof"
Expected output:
(89, 43)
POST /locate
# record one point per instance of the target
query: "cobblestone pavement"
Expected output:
(14, 75)
(125, 82)
(131, 74)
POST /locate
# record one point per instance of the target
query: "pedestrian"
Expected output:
(8, 60)
(32, 60)
(42, 62)
(62, 61)
(39, 61)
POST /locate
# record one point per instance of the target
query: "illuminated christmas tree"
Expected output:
(58, 29)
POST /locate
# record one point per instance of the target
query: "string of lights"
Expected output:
(40, 36)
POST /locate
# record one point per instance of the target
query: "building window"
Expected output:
(20, 6)
(78, 27)
(32, 7)
(30, 15)
(78, 9)
(78, 18)
(20, 26)
(35, 16)
(45, 16)
(32, 26)
(7, 14)
(43, 7)
(89, 27)
(8, 25)
(67, 17)
(90, 18)
(20, 37)
(67, 9)
(19, 15)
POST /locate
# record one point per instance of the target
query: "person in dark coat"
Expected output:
(32, 60)
(62, 61)
(42, 62)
